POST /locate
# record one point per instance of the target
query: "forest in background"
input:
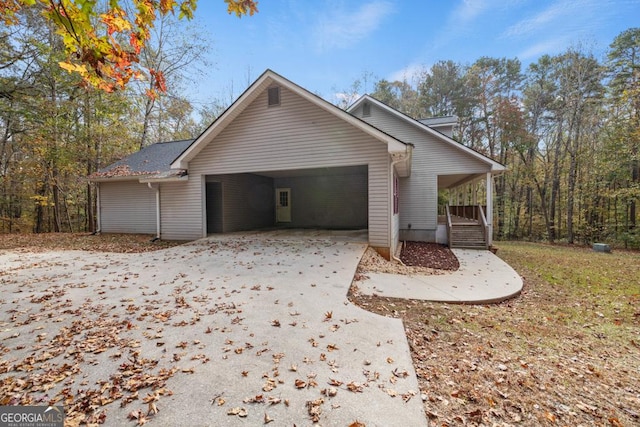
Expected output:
(567, 127)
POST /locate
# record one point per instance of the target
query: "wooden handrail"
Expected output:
(449, 225)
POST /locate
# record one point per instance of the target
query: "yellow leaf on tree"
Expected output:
(73, 68)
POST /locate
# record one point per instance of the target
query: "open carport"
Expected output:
(332, 198)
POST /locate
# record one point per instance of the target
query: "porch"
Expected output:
(463, 221)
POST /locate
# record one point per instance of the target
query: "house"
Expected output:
(282, 156)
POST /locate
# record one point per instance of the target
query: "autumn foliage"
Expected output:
(103, 42)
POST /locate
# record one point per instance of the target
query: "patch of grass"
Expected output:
(582, 286)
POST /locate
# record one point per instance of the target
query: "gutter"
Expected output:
(407, 156)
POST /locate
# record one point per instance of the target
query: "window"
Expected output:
(274, 96)
(366, 109)
(396, 197)
(284, 199)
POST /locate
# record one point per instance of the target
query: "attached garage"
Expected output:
(279, 156)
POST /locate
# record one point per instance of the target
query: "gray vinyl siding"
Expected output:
(431, 157)
(182, 208)
(248, 201)
(329, 201)
(297, 134)
(127, 207)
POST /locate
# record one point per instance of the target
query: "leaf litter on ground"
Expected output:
(565, 352)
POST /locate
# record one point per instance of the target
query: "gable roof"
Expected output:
(267, 79)
(495, 166)
(152, 162)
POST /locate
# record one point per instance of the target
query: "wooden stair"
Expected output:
(467, 227)
(468, 236)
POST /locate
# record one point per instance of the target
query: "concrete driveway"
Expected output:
(235, 330)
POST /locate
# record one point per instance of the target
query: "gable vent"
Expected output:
(274, 96)
(366, 109)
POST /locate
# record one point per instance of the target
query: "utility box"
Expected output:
(601, 247)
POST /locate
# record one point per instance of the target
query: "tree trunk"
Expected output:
(57, 221)
(555, 187)
(573, 143)
(39, 210)
(635, 179)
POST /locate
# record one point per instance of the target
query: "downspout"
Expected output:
(407, 156)
(157, 189)
(98, 216)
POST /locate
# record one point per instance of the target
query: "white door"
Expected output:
(283, 204)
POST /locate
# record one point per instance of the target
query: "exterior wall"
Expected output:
(431, 157)
(294, 135)
(330, 201)
(181, 209)
(248, 201)
(127, 207)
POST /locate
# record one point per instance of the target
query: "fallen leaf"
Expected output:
(241, 412)
(354, 387)
(153, 409)
(314, 409)
(272, 400)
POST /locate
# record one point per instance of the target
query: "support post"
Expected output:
(489, 188)
(475, 192)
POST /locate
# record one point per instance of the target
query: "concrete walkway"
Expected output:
(481, 279)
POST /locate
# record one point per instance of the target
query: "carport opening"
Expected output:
(334, 198)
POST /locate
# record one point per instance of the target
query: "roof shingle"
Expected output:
(153, 160)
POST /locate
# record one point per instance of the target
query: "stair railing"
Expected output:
(485, 226)
(449, 225)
